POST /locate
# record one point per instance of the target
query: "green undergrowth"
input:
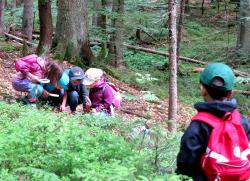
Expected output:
(6, 46)
(199, 42)
(40, 145)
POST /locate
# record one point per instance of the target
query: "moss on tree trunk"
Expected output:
(71, 41)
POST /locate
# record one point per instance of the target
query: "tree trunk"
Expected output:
(1, 17)
(19, 2)
(243, 41)
(187, 8)
(179, 26)
(28, 19)
(97, 19)
(172, 110)
(202, 7)
(71, 39)
(46, 27)
(116, 44)
(14, 4)
(105, 6)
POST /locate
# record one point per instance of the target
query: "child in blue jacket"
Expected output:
(71, 90)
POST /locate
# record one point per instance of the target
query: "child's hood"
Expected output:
(100, 84)
(217, 108)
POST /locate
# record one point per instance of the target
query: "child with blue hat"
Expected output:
(71, 90)
(76, 90)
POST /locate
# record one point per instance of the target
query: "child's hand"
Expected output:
(88, 101)
(33, 78)
(45, 94)
(87, 108)
(62, 108)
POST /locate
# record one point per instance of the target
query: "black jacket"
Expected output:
(195, 139)
(81, 90)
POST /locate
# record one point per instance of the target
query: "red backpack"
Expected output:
(227, 154)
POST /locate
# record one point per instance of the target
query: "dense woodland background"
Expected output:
(152, 49)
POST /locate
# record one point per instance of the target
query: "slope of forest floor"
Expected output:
(155, 111)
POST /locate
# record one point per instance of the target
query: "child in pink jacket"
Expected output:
(30, 70)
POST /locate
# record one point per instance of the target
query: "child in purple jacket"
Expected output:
(100, 93)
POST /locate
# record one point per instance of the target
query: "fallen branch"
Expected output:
(241, 92)
(21, 40)
(236, 72)
(148, 50)
(134, 113)
(152, 37)
(163, 54)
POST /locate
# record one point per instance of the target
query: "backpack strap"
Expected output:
(214, 121)
(207, 118)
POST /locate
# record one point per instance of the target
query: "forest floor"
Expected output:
(156, 111)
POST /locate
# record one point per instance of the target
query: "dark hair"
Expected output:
(54, 71)
(214, 89)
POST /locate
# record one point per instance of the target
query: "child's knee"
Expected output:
(73, 94)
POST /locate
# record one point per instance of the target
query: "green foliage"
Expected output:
(148, 96)
(242, 80)
(5, 175)
(40, 145)
(142, 79)
(6, 47)
(206, 43)
(129, 97)
(13, 17)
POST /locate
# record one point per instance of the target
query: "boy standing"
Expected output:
(216, 84)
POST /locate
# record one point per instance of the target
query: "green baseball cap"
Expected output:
(219, 70)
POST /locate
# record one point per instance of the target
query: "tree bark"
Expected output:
(14, 3)
(19, 2)
(1, 17)
(116, 44)
(179, 26)
(187, 8)
(172, 110)
(71, 39)
(97, 17)
(202, 7)
(28, 19)
(243, 41)
(46, 27)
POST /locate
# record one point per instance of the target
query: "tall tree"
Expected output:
(116, 43)
(172, 110)
(28, 19)
(97, 19)
(243, 41)
(179, 25)
(71, 39)
(19, 2)
(1, 17)
(14, 3)
(46, 27)
(99, 16)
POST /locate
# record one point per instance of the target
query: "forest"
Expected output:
(153, 51)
